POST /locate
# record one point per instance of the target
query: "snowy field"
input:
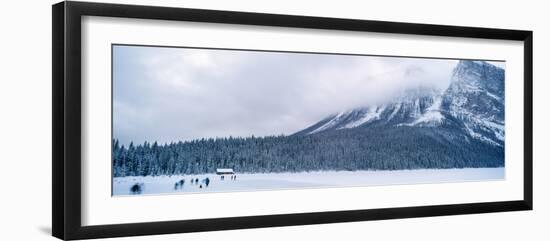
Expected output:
(274, 181)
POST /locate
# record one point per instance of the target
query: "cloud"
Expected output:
(173, 94)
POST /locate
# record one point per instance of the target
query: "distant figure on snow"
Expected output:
(200, 186)
(179, 184)
(136, 188)
(196, 180)
(207, 181)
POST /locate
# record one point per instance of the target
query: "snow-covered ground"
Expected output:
(273, 181)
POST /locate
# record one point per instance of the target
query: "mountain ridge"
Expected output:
(473, 103)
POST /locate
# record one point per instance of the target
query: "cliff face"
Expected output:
(472, 105)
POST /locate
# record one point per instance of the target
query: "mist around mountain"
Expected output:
(461, 126)
(473, 104)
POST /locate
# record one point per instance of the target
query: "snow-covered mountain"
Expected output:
(475, 98)
(472, 107)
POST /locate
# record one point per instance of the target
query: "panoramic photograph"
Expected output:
(200, 120)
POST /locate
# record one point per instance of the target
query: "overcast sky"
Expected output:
(173, 94)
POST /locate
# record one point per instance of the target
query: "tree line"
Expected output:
(354, 149)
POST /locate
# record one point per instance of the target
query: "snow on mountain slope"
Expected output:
(370, 114)
(476, 98)
(332, 122)
(473, 103)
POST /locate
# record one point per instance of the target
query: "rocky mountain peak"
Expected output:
(472, 104)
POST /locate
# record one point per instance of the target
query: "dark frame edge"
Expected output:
(291, 21)
(528, 119)
(58, 100)
(220, 224)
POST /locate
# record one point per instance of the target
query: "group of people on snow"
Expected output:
(137, 188)
(195, 181)
(233, 177)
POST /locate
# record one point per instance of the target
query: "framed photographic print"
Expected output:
(170, 120)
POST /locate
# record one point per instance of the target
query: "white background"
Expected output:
(25, 101)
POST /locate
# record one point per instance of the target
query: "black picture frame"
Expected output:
(67, 135)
